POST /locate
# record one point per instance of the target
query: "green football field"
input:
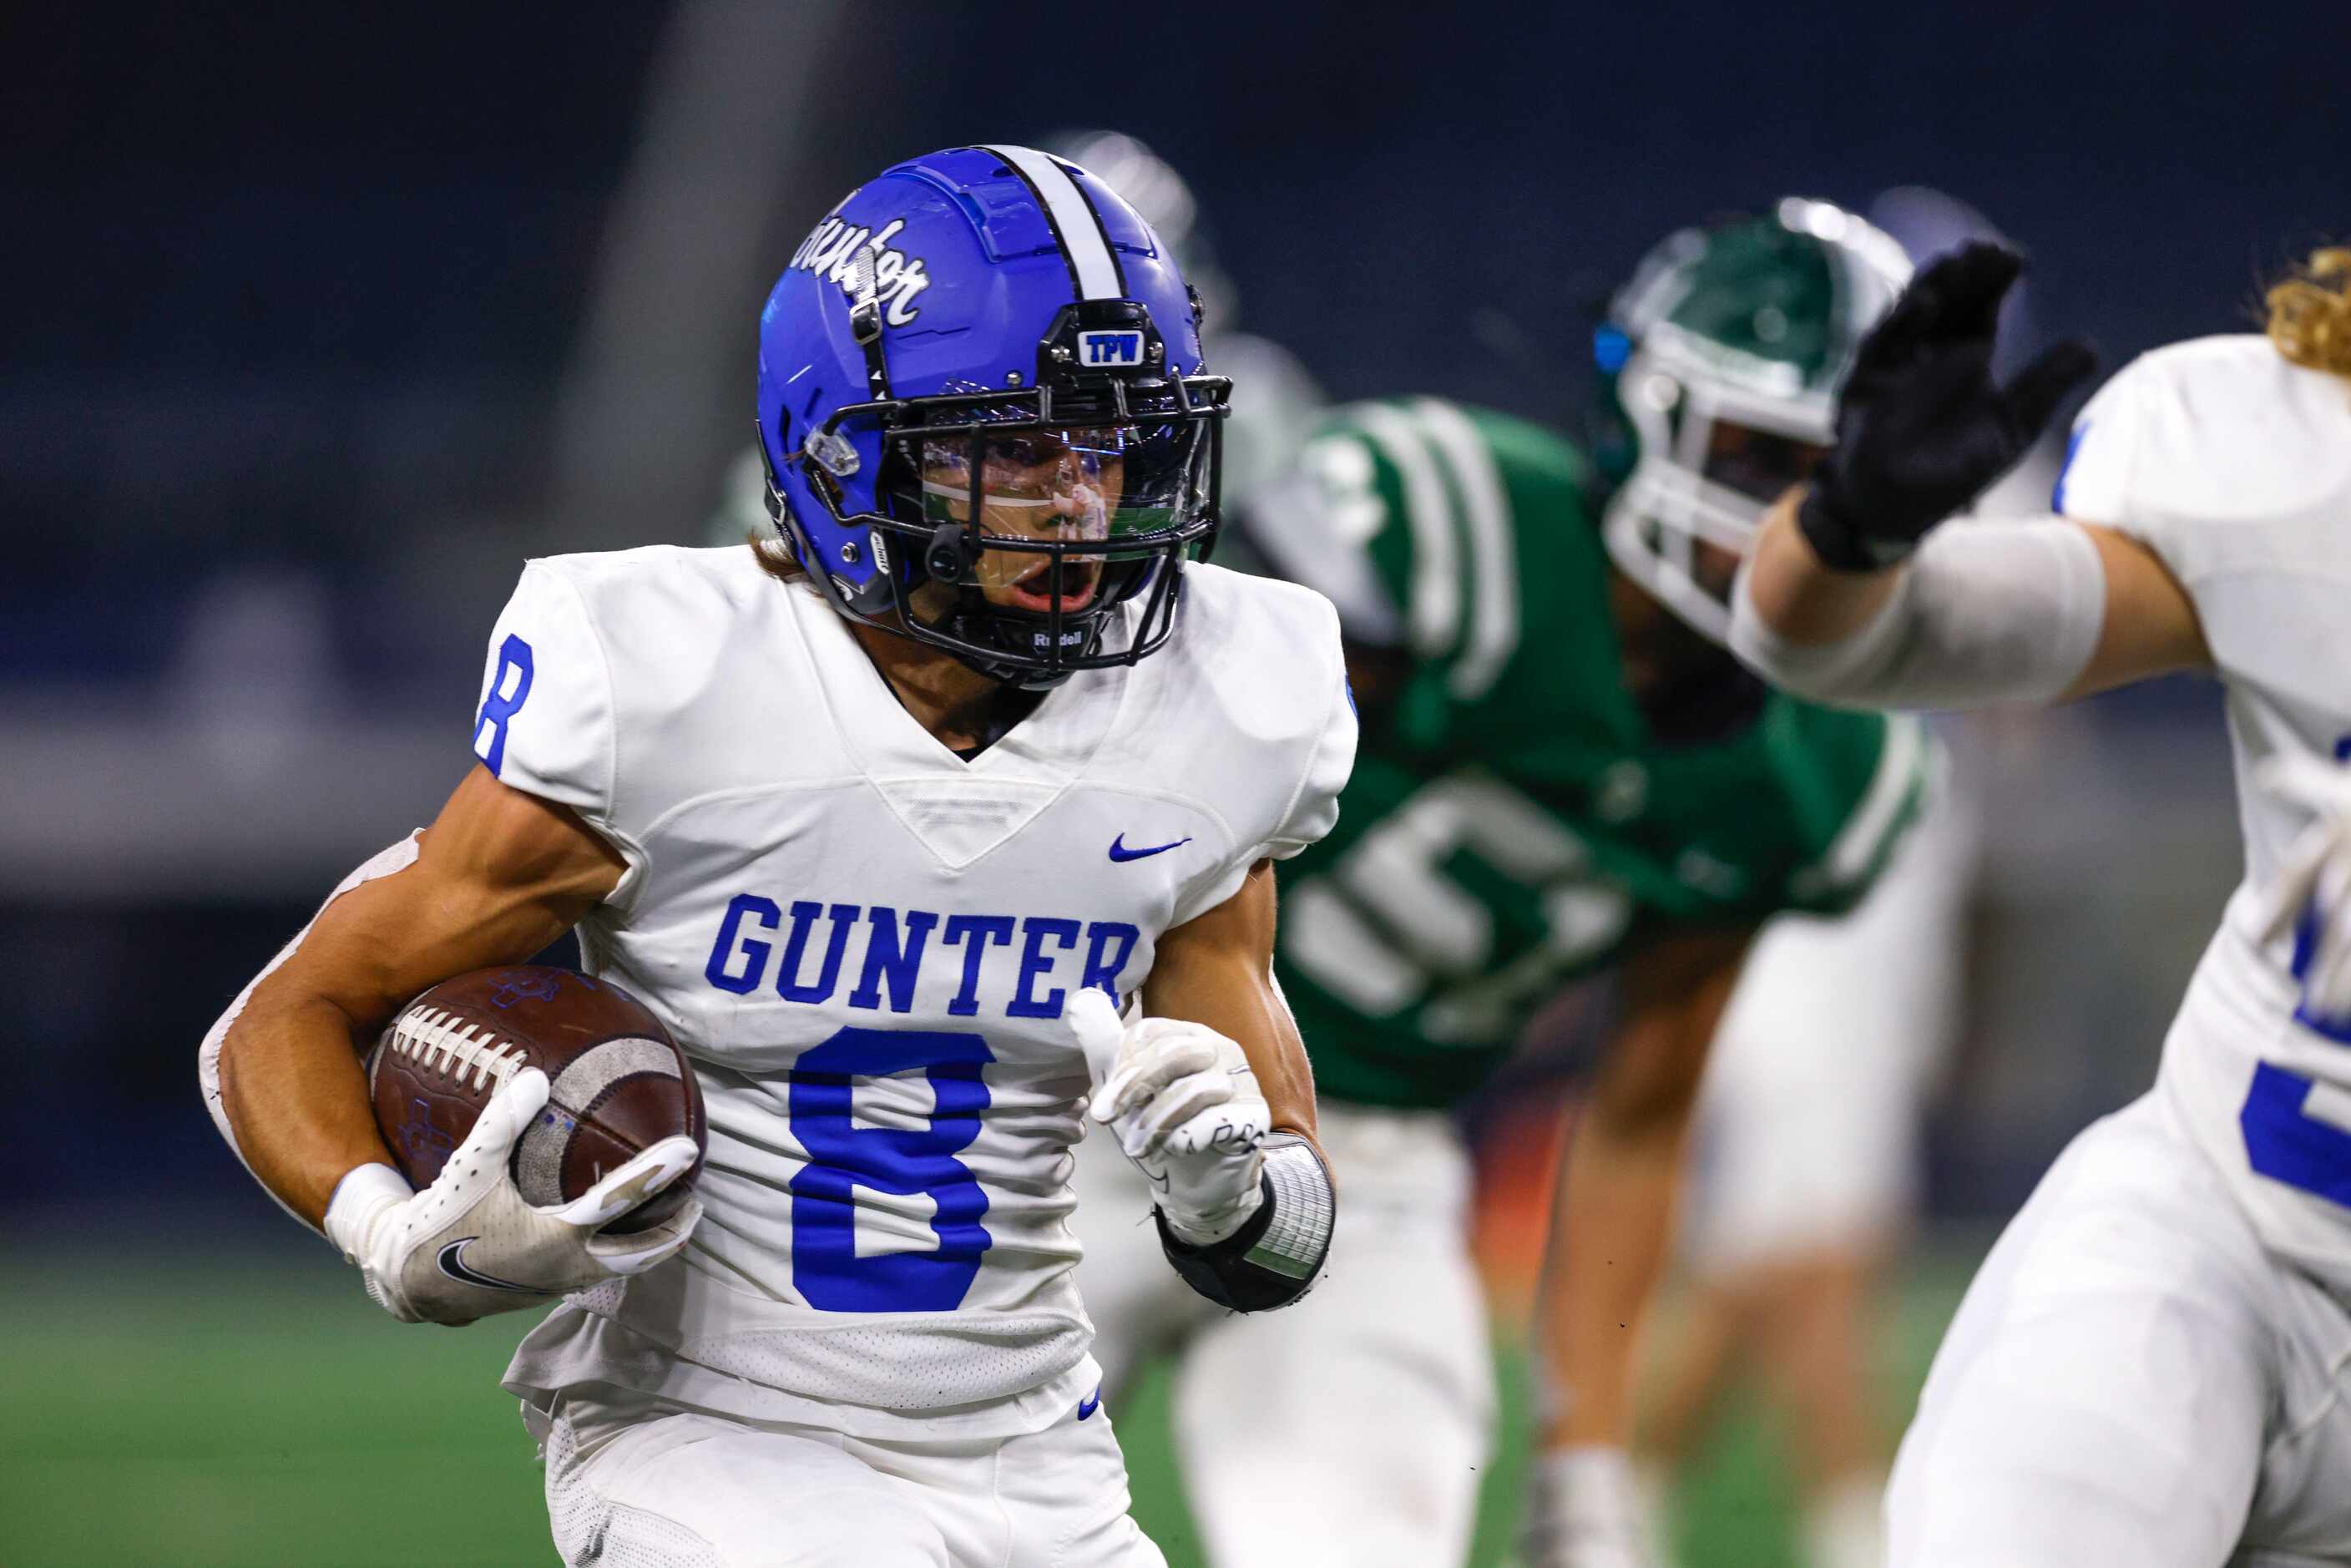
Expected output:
(201, 1414)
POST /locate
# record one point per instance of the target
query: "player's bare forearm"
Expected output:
(1796, 595)
(293, 1089)
(497, 877)
(1218, 970)
(1611, 1226)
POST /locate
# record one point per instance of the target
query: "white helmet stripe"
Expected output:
(1074, 221)
(1434, 611)
(1493, 553)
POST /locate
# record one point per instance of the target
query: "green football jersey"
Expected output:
(1512, 823)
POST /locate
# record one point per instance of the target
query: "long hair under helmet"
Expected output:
(983, 415)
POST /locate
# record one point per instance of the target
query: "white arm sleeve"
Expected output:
(1985, 612)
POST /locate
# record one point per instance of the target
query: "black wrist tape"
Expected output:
(1839, 545)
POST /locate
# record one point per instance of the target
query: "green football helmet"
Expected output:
(1721, 363)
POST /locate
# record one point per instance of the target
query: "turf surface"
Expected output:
(200, 1415)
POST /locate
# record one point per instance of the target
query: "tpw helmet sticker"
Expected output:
(1104, 349)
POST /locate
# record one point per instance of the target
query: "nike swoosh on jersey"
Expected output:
(1091, 1403)
(452, 1263)
(1119, 852)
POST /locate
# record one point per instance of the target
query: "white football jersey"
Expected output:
(2234, 467)
(866, 945)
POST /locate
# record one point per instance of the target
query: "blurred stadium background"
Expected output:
(327, 316)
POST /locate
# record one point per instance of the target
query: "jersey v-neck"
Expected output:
(961, 808)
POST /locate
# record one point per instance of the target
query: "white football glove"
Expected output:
(1184, 1105)
(2316, 876)
(468, 1246)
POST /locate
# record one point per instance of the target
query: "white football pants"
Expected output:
(2131, 1380)
(1347, 1430)
(1806, 1139)
(633, 1481)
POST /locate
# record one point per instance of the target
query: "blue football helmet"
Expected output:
(983, 415)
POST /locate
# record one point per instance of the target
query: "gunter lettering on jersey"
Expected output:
(808, 951)
(897, 277)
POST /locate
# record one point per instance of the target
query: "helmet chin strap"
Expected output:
(984, 624)
(1017, 676)
(969, 626)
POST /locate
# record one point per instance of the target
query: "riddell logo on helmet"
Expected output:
(897, 277)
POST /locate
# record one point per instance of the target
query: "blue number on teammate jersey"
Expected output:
(901, 1161)
(2306, 947)
(2282, 1141)
(504, 700)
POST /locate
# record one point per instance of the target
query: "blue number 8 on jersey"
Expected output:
(826, 1266)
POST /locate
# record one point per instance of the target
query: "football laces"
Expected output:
(432, 1039)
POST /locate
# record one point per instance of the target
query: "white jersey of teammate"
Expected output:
(2149, 1368)
(2233, 466)
(866, 945)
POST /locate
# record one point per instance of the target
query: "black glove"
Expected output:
(1921, 431)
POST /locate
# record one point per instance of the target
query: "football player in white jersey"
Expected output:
(2150, 1368)
(886, 819)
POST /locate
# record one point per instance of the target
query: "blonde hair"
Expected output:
(2310, 312)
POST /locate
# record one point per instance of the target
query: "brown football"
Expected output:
(617, 1082)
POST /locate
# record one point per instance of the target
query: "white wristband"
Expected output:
(364, 1192)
